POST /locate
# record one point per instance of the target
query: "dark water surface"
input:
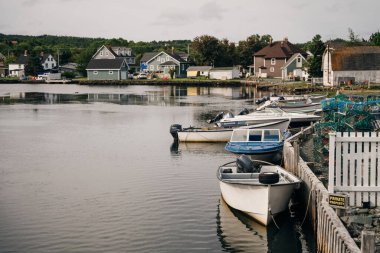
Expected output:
(94, 169)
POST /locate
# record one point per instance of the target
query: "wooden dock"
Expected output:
(63, 81)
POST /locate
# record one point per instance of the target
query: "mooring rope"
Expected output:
(308, 203)
(274, 221)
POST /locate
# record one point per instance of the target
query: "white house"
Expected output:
(351, 64)
(48, 61)
(17, 69)
(224, 73)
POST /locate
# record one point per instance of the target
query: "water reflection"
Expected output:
(200, 148)
(239, 233)
(169, 95)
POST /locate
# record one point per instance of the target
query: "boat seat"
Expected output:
(240, 175)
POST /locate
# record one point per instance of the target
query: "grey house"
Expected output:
(107, 64)
(163, 62)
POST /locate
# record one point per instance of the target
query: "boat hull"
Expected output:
(260, 202)
(224, 134)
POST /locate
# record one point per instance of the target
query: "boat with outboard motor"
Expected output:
(219, 134)
(257, 188)
(267, 115)
(262, 144)
(290, 106)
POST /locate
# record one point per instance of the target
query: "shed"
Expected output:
(224, 73)
(195, 71)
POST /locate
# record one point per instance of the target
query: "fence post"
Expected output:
(296, 147)
(332, 162)
(368, 241)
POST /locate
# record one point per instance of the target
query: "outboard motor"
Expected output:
(174, 130)
(246, 165)
(244, 112)
(262, 100)
(217, 118)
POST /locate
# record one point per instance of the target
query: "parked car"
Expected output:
(142, 76)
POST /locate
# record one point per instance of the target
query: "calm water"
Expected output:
(94, 169)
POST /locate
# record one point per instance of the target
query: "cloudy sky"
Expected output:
(147, 20)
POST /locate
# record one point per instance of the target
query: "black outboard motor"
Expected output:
(244, 112)
(217, 118)
(244, 164)
(261, 100)
(174, 130)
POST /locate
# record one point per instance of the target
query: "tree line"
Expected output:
(204, 49)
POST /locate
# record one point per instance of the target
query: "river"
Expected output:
(94, 169)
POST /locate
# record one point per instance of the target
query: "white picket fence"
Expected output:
(354, 166)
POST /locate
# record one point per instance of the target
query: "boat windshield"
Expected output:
(255, 135)
(271, 135)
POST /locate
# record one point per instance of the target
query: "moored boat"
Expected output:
(267, 115)
(259, 189)
(219, 134)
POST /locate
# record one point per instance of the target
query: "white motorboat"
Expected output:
(220, 134)
(267, 115)
(259, 189)
(294, 107)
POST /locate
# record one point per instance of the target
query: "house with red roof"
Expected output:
(279, 59)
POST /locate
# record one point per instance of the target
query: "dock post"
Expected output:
(368, 241)
(296, 147)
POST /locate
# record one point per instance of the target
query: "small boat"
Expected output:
(259, 189)
(262, 144)
(291, 106)
(267, 115)
(314, 98)
(219, 134)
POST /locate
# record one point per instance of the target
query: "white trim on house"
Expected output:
(167, 57)
(100, 50)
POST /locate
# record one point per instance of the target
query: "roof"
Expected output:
(280, 49)
(199, 68)
(175, 56)
(22, 59)
(116, 48)
(105, 63)
(356, 58)
(169, 63)
(147, 56)
(294, 56)
(222, 68)
(45, 56)
(69, 65)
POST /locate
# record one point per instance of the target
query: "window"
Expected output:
(273, 61)
(110, 72)
(106, 53)
(255, 135)
(101, 53)
(298, 59)
(271, 69)
(271, 135)
(151, 67)
(167, 58)
(46, 65)
(95, 72)
(52, 65)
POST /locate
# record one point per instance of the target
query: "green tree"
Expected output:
(374, 39)
(316, 48)
(205, 50)
(33, 67)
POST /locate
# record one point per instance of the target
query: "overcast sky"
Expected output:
(147, 20)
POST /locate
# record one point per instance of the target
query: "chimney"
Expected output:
(25, 52)
(172, 50)
(286, 39)
(42, 54)
(270, 40)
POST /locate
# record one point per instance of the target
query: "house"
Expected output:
(163, 62)
(69, 67)
(271, 60)
(3, 67)
(224, 73)
(195, 71)
(293, 70)
(350, 64)
(17, 69)
(47, 61)
(110, 63)
(145, 58)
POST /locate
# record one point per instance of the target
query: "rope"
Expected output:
(274, 221)
(307, 207)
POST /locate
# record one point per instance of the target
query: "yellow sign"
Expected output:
(338, 200)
